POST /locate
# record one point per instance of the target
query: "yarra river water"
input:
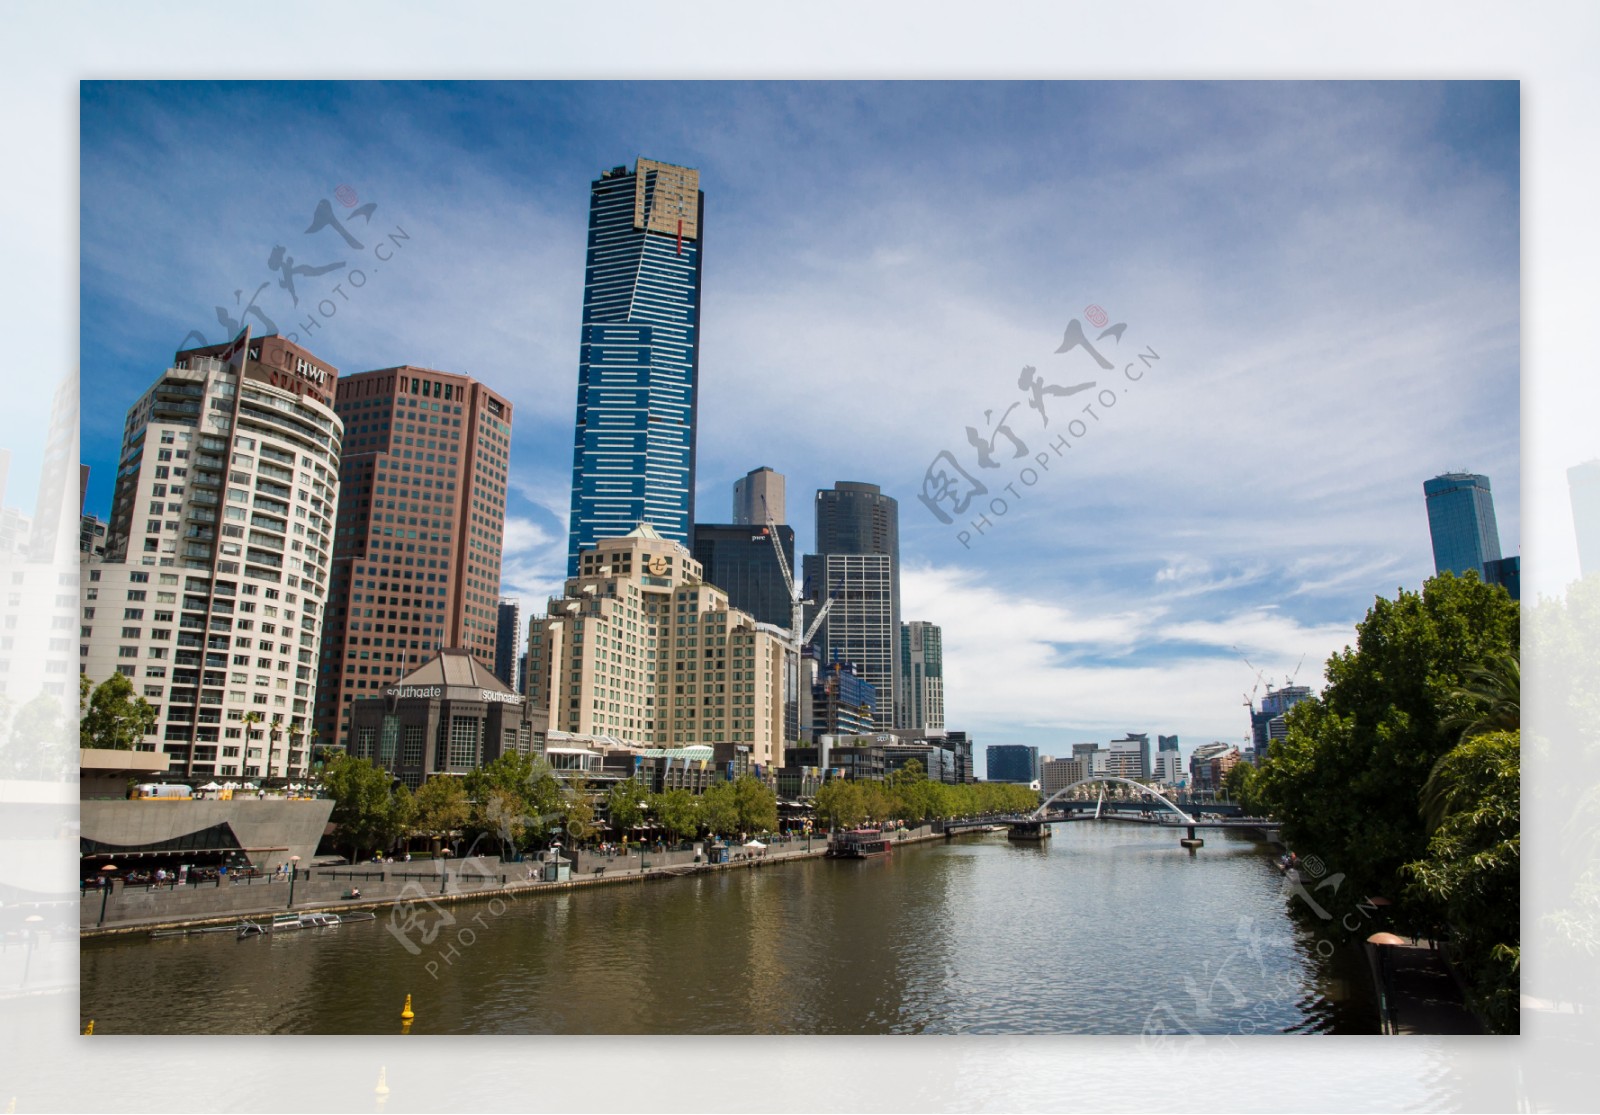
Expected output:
(1110, 928)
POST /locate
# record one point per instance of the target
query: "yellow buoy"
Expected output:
(89, 1029)
(382, 1089)
(406, 1015)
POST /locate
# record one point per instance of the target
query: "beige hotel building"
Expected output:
(642, 651)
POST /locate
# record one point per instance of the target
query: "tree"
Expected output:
(442, 806)
(363, 807)
(402, 814)
(1471, 874)
(757, 805)
(114, 717)
(579, 813)
(1239, 785)
(840, 805)
(625, 806)
(678, 811)
(719, 811)
(1346, 779)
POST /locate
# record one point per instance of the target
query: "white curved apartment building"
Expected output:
(211, 595)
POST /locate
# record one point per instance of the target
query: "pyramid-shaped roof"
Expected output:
(454, 666)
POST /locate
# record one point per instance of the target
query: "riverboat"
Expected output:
(285, 922)
(859, 844)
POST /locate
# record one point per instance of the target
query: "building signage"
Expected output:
(456, 693)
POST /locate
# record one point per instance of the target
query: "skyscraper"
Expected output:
(757, 495)
(1461, 522)
(508, 642)
(638, 357)
(416, 560)
(211, 596)
(740, 561)
(921, 676)
(1583, 484)
(857, 564)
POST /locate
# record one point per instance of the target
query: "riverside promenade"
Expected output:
(118, 910)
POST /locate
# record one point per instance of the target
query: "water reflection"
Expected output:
(1108, 929)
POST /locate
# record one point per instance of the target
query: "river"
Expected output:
(1110, 928)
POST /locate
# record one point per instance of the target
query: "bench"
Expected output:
(599, 869)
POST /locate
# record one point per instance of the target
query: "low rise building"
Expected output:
(446, 717)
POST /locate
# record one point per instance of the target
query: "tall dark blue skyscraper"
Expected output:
(1461, 521)
(740, 561)
(639, 357)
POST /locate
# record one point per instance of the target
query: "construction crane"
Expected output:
(797, 600)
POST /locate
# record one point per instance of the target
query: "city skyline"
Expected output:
(1284, 304)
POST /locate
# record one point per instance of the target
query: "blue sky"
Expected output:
(1328, 271)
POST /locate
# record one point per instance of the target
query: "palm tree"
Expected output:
(1494, 696)
(297, 732)
(251, 719)
(274, 730)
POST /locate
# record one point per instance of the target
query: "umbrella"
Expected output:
(1386, 939)
(109, 867)
(211, 786)
(755, 844)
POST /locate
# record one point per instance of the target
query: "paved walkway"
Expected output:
(1424, 997)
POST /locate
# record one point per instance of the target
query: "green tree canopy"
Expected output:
(363, 807)
(1346, 779)
(442, 806)
(113, 717)
(757, 805)
(624, 806)
(719, 811)
(678, 811)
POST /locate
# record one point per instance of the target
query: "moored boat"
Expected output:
(859, 844)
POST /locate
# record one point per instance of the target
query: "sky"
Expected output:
(1323, 279)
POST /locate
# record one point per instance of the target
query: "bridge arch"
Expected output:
(1038, 814)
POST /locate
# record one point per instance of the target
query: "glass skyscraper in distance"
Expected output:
(1461, 521)
(639, 357)
(857, 563)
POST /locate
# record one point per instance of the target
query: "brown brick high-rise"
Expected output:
(416, 555)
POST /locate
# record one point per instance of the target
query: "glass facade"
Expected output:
(1011, 762)
(639, 354)
(741, 562)
(1461, 521)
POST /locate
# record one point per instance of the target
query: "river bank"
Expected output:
(476, 879)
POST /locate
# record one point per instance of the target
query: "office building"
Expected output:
(741, 561)
(1136, 744)
(961, 746)
(507, 642)
(1507, 573)
(1168, 769)
(1057, 774)
(1209, 766)
(640, 650)
(857, 565)
(1268, 722)
(842, 702)
(416, 557)
(1166, 743)
(212, 595)
(1583, 486)
(758, 496)
(1461, 522)
(638, 357)
(921, 677)
(1011, 762)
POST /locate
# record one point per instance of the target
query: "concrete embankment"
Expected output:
(322, 890)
